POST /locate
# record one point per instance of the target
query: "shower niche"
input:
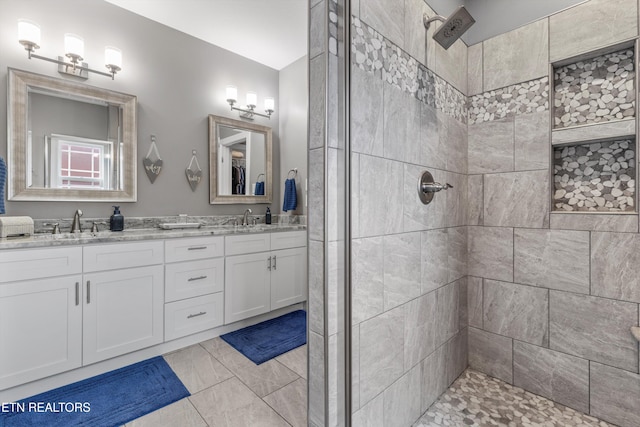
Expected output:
(594, 132)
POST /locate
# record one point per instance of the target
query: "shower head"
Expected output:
(452, 27)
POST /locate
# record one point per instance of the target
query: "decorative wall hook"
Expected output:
(152, 167)
(194, 176)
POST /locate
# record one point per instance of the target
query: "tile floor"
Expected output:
(227, 389)
(475, 399)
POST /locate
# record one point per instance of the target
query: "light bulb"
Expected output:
(232, 94)
(74, 46)
(28, 33)
(252, 99)
(113, 58)
(269, 104)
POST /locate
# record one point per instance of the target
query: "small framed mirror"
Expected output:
(240, 161)
(69, 141)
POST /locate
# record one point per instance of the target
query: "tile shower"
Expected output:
(497, 274)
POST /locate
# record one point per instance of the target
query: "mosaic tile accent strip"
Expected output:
(596, 177)
(373, 53)
(521, 98)
(595, 90)
(476, 399)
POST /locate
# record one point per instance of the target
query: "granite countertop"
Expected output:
(40, 240)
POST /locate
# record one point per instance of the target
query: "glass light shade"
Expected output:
(28, 31)
(269, 104)
(232, 93)
(252, 98)
(113, 57)
(73, 45)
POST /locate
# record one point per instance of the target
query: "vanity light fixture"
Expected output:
(29, 37)
(252, 99)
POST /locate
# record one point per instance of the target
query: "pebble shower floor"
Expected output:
(476, 399)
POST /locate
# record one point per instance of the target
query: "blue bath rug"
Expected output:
(111, 399)
(270, 338)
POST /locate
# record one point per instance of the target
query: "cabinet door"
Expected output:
(123, 312)
(288, 277)
(40, 329)
(247, 290)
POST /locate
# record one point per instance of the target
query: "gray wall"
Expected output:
(293, 101)
(179, 80)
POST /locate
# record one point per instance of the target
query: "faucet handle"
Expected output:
(56, 227)
(94, 227)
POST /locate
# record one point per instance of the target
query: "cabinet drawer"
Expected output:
(288, 239)
(122, 255)
(192, 315)
(193, 248)
(194, 278)
(29, 264)
(247, 244)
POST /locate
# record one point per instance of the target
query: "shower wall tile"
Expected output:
(419, 329)
(516, 56)
(474, 301)
(491, 354)
(475, 194)
(316, 287)
(434, 147)
(417, 216)
(616, 275)
(381, 353)
(593, 328)
(517, 311)
(434, 377)
(532, 141)
(401, 268)
(316, 32)
(386, 16)
(402, 400)
(367, 117)
(518, 199)
(367, 278)
(453, 139)
(463, 303)
(576, 221)
(446, 323)
(491, 146)
(451, 64)
(316, 194)
(457, 244)
(371, 414)
(474, 69)
(616, 20)
(555, 259)
(316, 101)
(556, 376)
(458, 354)
(615, 395)
(355, 368)
(434, 259)
(401, 125)
(456, 199)
(416, 42)
(490, 253)
(354, 195)
(380, 196)
(316, 375)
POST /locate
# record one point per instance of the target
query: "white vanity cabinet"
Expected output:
(270, 274)
(194, 285)
(40, 313)
(123, 298)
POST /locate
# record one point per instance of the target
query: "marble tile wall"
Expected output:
(409, 260)
(551, 296)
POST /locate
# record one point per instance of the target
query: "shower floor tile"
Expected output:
(476, 399)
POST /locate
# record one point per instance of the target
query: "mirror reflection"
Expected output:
(70, 141)
(240, 161)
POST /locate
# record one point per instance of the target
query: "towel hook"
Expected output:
(259, 175)
(295, 173)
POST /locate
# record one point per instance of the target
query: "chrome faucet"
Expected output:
(76, 227)
(245, 220)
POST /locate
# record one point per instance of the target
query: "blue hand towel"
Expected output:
(290, 196)
(3, 177)
(260, 188)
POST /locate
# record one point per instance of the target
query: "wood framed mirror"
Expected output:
(240, 162)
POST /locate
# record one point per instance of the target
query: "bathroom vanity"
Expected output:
(70, 302)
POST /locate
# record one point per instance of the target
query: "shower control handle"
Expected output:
(434, 187)
(427, 187)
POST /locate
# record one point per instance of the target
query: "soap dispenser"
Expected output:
(267, 216)
(116, 222)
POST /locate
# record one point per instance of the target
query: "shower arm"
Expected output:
(427, 21)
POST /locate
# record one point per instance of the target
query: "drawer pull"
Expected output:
(77, 293)
(269, 264)
(274, 262)
(196, 248)
(192, 279)
(88, 291)
(202, 313)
